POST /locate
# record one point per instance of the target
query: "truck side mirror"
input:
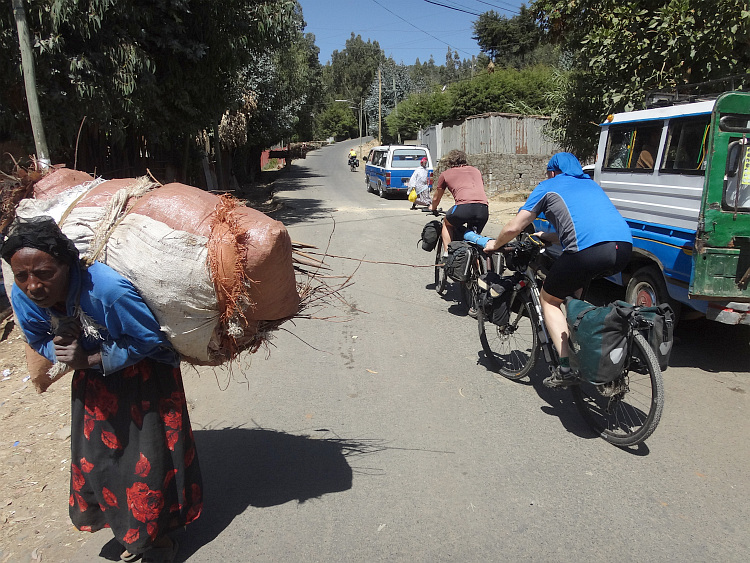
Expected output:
(364, 158)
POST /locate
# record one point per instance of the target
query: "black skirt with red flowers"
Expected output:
(133, 468)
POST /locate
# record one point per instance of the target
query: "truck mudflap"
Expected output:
(729, 313)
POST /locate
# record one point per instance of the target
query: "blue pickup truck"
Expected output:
(390, 167)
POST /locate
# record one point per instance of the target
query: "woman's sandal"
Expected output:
(161, 554)
(129, 557)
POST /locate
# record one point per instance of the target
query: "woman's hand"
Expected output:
(69, 351)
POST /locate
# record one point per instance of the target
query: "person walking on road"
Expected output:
(419, 181)
(134, 467)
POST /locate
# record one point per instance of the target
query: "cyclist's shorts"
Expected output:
(573, 270)
(469, 216)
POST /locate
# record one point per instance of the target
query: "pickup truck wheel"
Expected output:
(367, 184)
(381, 191)
(647, 288)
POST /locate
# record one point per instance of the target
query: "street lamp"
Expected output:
(359, 122)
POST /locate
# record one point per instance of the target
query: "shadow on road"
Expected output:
(711, 346)
(256, 467)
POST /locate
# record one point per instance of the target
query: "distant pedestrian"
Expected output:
(420, 182)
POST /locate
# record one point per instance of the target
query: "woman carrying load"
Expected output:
(134, 467)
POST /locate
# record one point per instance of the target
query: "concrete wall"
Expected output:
(505, 173)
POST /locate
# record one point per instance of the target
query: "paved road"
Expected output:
(380, 434)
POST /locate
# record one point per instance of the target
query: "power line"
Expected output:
(512, 9)
(419, 29)
(452, 8)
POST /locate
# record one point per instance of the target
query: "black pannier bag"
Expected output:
(660, 332)
(430, 235)
(458, 261)
(495, 297)
(598, 338)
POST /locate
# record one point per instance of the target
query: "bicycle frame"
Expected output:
(545, 342)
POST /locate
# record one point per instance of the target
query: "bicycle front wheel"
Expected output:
(512, 349)
(469, 288)
(626, 411)
(441, 281)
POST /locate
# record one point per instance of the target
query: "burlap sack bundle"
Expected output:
(217, 274)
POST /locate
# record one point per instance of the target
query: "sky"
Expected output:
(405, 29)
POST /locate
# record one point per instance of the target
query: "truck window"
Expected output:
(737, 178)
(687, 143)
(407, 158)
(633, 146)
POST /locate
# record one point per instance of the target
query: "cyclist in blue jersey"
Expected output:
(596, 241)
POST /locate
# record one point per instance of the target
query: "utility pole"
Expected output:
(380, 103)
(395, 104)
(361, 101)
(29, 79)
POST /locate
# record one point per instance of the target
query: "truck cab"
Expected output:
(680, 176)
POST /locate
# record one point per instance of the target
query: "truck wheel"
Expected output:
(381, 191)
(647, 288)
(367, 184)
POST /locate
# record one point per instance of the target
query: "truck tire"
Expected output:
(381, 191)
(647, 288)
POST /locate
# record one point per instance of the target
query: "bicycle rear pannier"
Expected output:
(598, 338)
(660, 333)
(495, 299)
(458, 261)
(430, 235)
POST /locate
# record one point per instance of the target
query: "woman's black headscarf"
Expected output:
(41, 233)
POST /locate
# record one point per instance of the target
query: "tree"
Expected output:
(508, 41)
(505, 90)
(354, 68)
(338, 121)
(147, 76)
(621, 50)
(396, 87)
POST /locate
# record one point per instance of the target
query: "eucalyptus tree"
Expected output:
(508, 41)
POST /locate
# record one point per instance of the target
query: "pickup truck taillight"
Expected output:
(429, 179)
(388, 179)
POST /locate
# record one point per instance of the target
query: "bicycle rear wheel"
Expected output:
(512, 349)
(626, 411)
(441, 281)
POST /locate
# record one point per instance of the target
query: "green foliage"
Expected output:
(508, 41)
(418, 111)
(621, 50)
(503, 91)
(338, 121)
(272, 164)
(142, 72)
(353, 69)
(394, 86)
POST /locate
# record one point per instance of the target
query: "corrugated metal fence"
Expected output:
(510, 149)
(500, 133)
